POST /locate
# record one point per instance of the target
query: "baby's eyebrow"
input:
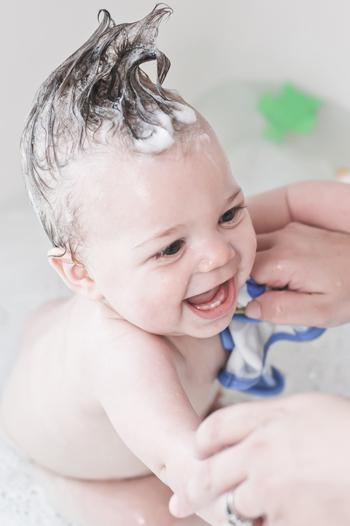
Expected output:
(234, 195)
(163, 233)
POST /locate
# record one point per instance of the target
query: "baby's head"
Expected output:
(134, 190)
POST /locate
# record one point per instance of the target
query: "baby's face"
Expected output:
(169, 242)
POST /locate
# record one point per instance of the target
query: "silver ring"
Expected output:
(233, 517)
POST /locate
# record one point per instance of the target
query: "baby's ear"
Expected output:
(74, 274)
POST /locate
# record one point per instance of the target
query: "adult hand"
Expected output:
(312, 264)
(287, 459)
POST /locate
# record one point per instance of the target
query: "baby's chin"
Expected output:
(212, 329)
(205, 330)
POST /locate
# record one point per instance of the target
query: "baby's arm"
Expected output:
(139, 387)
(324, 204)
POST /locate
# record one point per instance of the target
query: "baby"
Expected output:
(151, 234)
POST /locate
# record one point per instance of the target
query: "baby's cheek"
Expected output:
(163, 303)
(252, 251)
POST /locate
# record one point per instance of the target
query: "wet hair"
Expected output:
(99, 91)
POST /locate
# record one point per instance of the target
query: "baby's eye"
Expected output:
(231, 215)
(172, 249)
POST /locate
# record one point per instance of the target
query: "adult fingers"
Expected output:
(247, 500)
(265, 241)
(301, 273)
(275, 270)
(214, 477)
(289, 307)
(232, 424)
(229, 467)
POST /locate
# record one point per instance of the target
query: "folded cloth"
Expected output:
(247, 343)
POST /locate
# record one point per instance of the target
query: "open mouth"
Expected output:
(214, 303)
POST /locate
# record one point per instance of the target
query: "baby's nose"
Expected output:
(216, 256)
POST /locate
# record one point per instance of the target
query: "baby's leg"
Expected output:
(135, 502)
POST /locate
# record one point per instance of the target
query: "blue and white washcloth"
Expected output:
(248, 341)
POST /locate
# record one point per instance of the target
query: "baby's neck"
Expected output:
(188, 346)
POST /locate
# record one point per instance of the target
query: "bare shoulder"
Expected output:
(127, 351)
(124, 341)
(45, 321)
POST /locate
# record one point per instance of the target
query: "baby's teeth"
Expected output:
(213, 304)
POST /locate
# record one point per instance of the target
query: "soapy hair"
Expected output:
(99, 91)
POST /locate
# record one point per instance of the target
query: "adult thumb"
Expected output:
(289, 307)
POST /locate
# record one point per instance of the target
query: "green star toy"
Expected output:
(291, 110)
